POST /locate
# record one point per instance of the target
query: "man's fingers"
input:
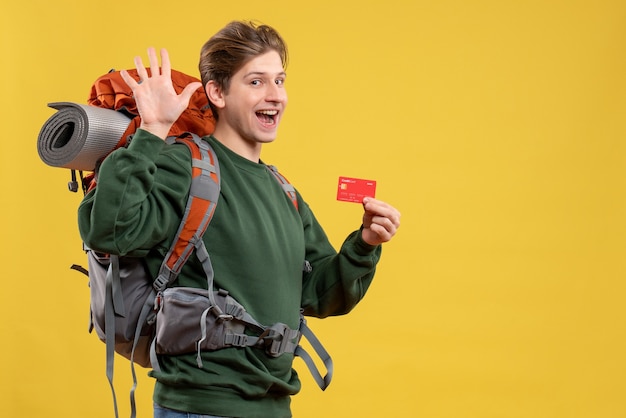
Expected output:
(165, 63)
(382, 209)
(165, 69)
(154, 62)
(141, 70)
(386, 223)
(132, 83)
(384, 234)
(189, 90)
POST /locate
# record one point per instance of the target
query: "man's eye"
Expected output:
(280, 82)
(256, 82)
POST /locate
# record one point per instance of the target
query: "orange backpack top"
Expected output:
(111, 92)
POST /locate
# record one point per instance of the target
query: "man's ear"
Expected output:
(215, 94)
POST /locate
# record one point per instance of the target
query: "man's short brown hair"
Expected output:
(232, 47)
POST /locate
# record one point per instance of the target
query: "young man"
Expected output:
(257, 240)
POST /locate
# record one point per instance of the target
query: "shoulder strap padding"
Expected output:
(203, 196)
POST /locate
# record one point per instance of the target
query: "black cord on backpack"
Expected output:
(73, 184)
(80, 269)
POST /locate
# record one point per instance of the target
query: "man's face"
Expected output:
(256, 99)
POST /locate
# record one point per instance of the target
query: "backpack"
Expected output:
(127, 305)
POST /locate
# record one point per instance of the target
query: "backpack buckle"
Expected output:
(237, 340)
(160, 283)
(279, 340)
(219, 314)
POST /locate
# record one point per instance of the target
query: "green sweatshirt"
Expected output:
(258, 243)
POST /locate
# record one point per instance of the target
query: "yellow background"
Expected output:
(496, 127)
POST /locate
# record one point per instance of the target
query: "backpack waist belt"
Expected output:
(192, 320)
(188, 322)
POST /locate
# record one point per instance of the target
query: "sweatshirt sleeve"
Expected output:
(140, 196)
(337, 280)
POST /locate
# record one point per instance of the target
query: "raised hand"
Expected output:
(157, 102)
(380, 221)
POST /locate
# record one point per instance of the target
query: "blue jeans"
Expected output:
(160, 412)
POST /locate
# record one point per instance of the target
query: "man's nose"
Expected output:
(276, 93)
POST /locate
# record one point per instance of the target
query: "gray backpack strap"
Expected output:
(322, 382)
(146, 310)
(112, 281)
(115, 306)
(287, 187)
(203, 194)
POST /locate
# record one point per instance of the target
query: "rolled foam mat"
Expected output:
(77, 135)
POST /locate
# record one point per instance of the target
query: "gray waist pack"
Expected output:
(193, 320)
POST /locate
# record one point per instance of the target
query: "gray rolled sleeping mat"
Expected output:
(77, 135)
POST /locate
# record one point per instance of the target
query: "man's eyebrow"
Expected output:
(262, 73)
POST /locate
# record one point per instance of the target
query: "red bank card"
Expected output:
(354, 190)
